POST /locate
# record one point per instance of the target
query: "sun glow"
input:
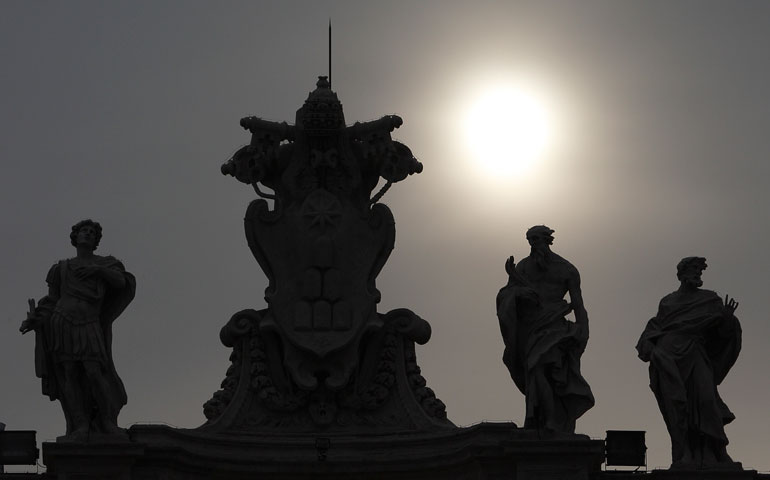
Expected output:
(507, 129)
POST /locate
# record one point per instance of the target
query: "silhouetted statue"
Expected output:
(542, 347)
(691, 344)
(320, 355)
(73, 327)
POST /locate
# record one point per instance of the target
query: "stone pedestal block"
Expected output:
(703, 475)
(498, 451)
(96, 459)
(683, 475)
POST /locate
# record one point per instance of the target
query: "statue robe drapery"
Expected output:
(695, 343)
(542, 353)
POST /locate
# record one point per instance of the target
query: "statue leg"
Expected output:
(671, 395)
(72, 399)
(540, 403)
(706, 440)
(708, 454)
(58, 374)
(101, 394)
(684, 448)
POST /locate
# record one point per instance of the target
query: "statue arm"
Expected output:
(645, 345)
(576, 299)
(110, 270)
(644, 349)
(42, 311)
(576, 303)
(727, 326)
(114, 276)
(46, 304)
(517, 277)
(729, 306)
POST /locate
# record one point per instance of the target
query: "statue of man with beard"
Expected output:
(542, 347)
(691, 344)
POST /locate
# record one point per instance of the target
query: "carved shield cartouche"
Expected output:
(323, 257)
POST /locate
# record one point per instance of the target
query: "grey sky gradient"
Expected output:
(124, 111)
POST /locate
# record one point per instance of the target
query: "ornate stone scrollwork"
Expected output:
(319, 355)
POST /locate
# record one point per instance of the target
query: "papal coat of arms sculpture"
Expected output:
(320, 355)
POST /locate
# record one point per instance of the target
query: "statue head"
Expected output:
(540, 236)
(689, 270)
(94, 226)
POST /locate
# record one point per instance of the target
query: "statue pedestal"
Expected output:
(703, 475)
(484, 451)
(91, 460)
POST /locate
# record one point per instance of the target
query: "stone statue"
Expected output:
(691, 344)
(73, 334)
(320, 356)
(542, 347)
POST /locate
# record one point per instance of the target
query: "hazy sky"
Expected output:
(124, 111)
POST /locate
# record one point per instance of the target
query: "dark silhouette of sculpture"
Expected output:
(542, 347)
(73, 334)
(691, 344)
(320, 355)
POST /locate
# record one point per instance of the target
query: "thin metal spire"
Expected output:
(330, 53)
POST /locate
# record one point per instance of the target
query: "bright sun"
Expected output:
(507, 129)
